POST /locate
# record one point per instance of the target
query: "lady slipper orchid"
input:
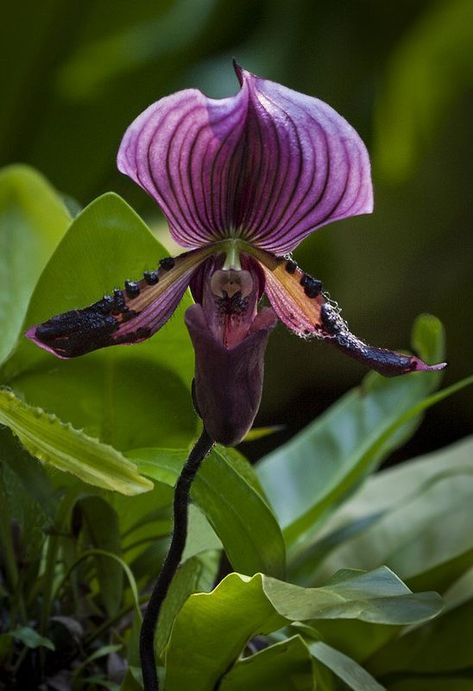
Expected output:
(241, 182)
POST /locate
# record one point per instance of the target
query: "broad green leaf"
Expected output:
(387, 488)
(32, 221)
(312, 473)
(102, 527)
(344, 667)
(30, 638)
(212, 628)
(441, 646)
(235, 509)
(65, 448)
(377, 596)
(417, 521)
(123, 395)
(284, 666)
(196, 574)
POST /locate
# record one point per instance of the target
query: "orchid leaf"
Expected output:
(196, 574)
(234, 508)
(212, 628)
(349, 671)
(306, 478)
(122, 394)
(284, 666)
(421, 528)
(436, 648)
(60, 445)
(433, 649)
(32, 221)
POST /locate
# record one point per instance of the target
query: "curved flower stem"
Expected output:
(201, 449)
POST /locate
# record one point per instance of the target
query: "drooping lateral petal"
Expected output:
(185, 150)
(300, 304)
(268, 165)
(305, 166)
(127, 316)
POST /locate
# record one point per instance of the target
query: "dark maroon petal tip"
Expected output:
(420, 366)
(389, 363)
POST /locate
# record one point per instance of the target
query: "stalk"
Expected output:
(201, 449)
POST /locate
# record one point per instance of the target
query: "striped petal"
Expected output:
(186, 151)
(305, 166)
(268, 165)
(300, 303)
(127, 316)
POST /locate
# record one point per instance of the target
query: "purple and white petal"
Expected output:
(268, 165)
(128, 315)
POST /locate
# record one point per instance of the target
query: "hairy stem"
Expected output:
(181, 504)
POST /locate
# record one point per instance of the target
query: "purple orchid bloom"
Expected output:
(241, 181)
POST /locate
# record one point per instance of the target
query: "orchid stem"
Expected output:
(201, 449)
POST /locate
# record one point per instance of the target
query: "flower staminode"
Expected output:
(242, 181)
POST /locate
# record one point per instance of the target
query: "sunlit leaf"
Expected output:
(194, 575)
(420, 522)
(212, 628)
(60, 445)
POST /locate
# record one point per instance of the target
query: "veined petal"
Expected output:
(300, 304)
(185, 150)
(127, 316)
(268, 165)
(305, 166)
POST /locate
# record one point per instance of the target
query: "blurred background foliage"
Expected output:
(74, 75)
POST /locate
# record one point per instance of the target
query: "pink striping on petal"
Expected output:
(268, 164)
(328, 175)
(185, 151)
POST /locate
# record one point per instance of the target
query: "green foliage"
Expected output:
(427, 73)
(90, 451)
(238, 513)
(32, 221)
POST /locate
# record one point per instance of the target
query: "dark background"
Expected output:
(74, 75)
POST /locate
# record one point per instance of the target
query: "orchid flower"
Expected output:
(241, 181)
